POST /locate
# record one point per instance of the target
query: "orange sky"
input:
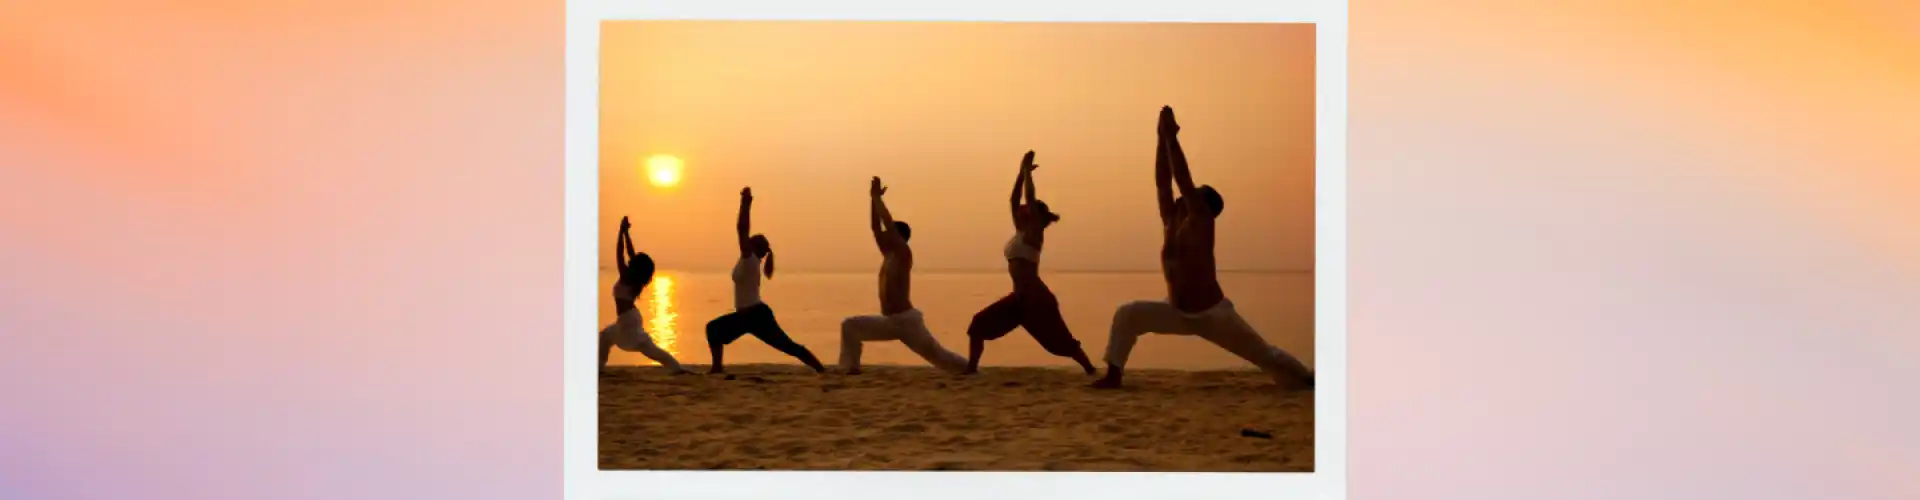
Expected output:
(806, 113)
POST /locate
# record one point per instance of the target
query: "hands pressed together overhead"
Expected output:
(1027, 164)
(1168, 126)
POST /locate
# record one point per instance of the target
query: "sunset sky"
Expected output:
(806, 113)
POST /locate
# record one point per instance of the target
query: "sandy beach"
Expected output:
(781, 417)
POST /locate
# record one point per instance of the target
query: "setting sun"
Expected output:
(663, 170)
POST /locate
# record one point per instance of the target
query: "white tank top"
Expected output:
(746, 282)
(1017, 248)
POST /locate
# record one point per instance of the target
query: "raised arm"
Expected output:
(886, 217)
(1182, 178)
(1019, 187)
(620, 247)
(882, 221)
(745, 226)
(1163, 171)
(633, 252)
(1027, 175)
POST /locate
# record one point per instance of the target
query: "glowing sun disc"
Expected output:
(664, 170)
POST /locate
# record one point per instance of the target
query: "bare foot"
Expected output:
(682, 371)
(1111, 381)
(716, 370)
(853, 371)
(1299, 384)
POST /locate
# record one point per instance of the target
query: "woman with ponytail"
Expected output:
(1031, 305)
(750, 315)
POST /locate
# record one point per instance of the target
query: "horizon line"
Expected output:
(988, 271)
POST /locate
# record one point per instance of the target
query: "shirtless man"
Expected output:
(1195, 303)
(898, 319)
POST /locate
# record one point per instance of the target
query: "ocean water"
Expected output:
(810, 306)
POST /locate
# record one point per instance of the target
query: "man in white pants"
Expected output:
(898, 319)
(1195, 303)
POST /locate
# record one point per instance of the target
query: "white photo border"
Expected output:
(580, 461)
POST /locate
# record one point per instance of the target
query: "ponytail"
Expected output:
(768, 265)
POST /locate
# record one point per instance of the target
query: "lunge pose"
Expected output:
(1032, 305)
(1195, 303)
(750, 315)
(898, 320)
(627, 331)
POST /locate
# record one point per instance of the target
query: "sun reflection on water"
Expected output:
(660, 323)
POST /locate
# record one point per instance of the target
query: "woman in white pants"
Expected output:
(627, 331)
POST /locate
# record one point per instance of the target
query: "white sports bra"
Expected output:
(1017, 248)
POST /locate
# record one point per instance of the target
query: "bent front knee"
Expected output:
(1132, 311)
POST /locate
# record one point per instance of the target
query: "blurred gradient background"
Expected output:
(307, 249)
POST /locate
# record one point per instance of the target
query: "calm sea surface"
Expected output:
(678, 305)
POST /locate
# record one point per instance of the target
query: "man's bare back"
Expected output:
(896, 281)
(1186, 247)
(1195, 303)
(1186, 260)
(896, 264)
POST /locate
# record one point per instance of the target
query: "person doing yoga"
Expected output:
(1195, 305)
(752, 316)
(1031, 305)
(627, 331)
(898, 319)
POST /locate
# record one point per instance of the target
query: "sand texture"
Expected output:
(777, 417)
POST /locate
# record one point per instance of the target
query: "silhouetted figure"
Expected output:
(898, 320)
(752, 316)
(1195, 303)
(1032, 305)
(628, 331)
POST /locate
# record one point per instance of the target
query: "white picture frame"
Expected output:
(581, 475)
